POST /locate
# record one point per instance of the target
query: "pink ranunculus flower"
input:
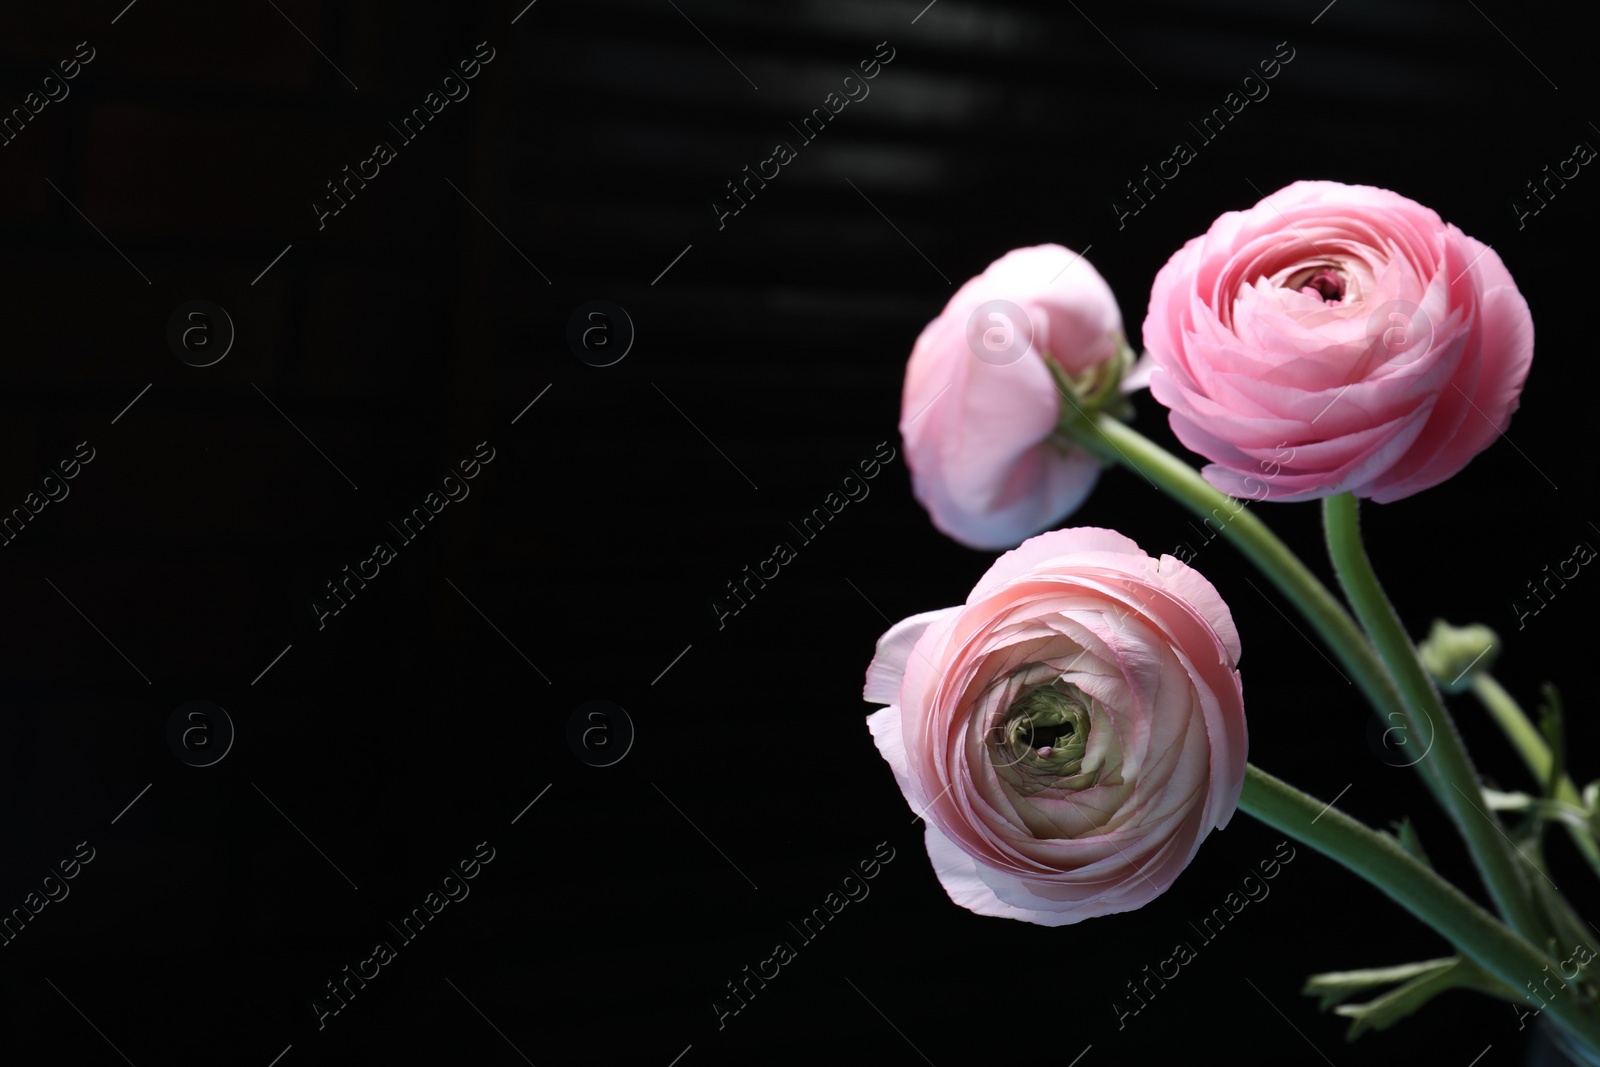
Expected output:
(1072, 733)
(980, 404)
(1336, 338)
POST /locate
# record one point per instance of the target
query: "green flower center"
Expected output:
(1041, 740)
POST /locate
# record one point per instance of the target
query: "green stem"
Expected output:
(1414, 886)
(1518, 728)
(1491, 849)
(1530, 745)
(1114, 442)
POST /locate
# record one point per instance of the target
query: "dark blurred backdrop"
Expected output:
(429, 322)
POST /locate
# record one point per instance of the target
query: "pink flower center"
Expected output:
(1326, 283)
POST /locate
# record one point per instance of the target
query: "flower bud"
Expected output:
(1034, 340)
(1453, 653)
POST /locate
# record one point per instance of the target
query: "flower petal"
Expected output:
(887, 670)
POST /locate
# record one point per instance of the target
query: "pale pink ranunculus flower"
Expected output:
(980, 405)
(1336, 338)
(1072, 733)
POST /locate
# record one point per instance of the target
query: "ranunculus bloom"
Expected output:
(980, 404)
(1072, 733)
(1336, 338)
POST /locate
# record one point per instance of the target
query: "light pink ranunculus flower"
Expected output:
(980, 405)
(1336, 338)
(1072, 733)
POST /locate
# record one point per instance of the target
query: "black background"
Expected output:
(430, 712)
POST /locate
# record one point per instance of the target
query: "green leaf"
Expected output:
(1539, 809)
(1406, 834)
(1419, 983)
(1336, 987)
(1383, 1012)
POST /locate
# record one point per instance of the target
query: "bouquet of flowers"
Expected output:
(1073, 732)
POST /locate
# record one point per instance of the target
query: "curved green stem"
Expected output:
(1525, 738)
(1492, 850)
(1515, 724)
(1380, 860)
(1114, 442)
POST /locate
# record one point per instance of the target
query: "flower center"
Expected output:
(1325, 282)
(1042, 738)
